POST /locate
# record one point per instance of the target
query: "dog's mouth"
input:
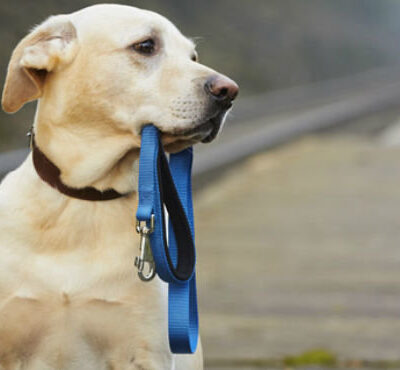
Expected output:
(204, 132)
(216, 125)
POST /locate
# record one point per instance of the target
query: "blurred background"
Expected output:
(297, 203)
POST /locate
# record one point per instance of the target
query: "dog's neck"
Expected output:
(101, 162)
(46, 217)
(101, 156)
(50, 174)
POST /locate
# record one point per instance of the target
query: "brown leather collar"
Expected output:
(50, 173)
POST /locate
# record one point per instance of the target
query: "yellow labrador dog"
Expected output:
(69, 296)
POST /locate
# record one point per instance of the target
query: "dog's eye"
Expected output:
(146, 47)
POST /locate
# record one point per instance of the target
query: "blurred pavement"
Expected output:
(298, 249)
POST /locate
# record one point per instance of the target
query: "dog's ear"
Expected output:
(49, 47)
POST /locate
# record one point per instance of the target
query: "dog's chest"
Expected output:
(95, 317)
(70, 298)
(68, 332)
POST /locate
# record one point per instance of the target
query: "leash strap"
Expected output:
(163, 184)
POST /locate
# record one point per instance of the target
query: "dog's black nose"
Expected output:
(222, 89)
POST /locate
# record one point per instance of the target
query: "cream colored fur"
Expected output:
(69, 295)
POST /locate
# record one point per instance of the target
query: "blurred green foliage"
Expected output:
(315, 357)
(263, 44)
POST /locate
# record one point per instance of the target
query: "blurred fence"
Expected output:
(264, 121)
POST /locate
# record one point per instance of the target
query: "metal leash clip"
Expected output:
(146, 256)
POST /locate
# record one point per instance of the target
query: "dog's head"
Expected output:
(121, 65)
(100, 75)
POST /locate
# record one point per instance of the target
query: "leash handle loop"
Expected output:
(163, 184)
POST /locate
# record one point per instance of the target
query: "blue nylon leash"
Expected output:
(163, 184)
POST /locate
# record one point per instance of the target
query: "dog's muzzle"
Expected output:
(222, 92)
